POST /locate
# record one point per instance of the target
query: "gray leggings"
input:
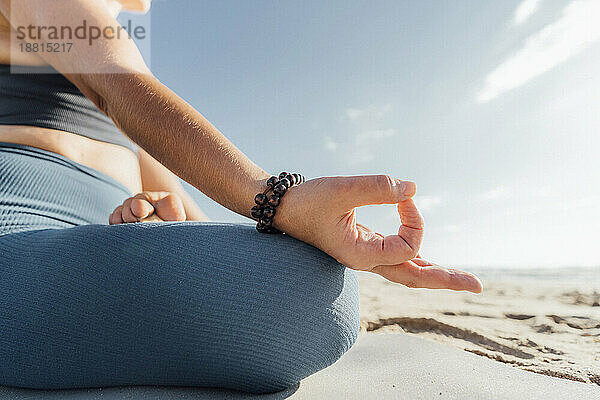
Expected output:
(84, 304)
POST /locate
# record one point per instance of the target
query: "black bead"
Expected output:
(256, 212)
(268, 212)
(260, 199)
(266, 221)
(274, 200)
(283, 175)
(286, 182)
(297, 178)
(279, 189)
(266, 229)
(271, 182)
(261, 228)
(291, 178)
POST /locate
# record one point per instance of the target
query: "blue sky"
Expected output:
(492, 107)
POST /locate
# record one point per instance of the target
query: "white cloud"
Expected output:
(371, 112)
(577, 29)
(373, 135)
(365, 145)
(427, 203)
(363, 142)
(330, 144)
(525, 10)
(494, 194)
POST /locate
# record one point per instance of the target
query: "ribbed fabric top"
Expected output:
(35, 97)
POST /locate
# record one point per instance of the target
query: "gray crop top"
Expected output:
(49, 100)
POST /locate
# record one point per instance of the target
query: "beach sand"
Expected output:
(530, 320)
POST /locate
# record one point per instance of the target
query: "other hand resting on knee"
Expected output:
(149, 207)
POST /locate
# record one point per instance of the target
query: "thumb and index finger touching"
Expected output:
(397, 251)
(383, 189)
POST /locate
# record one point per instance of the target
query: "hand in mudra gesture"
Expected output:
(149, 207)
(322, 212)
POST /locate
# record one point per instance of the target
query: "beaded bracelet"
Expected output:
(266, 205)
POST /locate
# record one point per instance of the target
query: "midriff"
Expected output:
(115, 161)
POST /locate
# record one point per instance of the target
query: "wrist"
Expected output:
(257, 185)
(267, 202)
(281, 220)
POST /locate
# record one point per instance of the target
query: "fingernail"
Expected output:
(408, 188)
(478, 286)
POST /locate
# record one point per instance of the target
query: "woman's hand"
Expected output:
(322, 212)
(149, 207)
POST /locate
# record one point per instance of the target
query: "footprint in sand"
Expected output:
(420, 325)
(578, 298)
(576, 322)
(519, 317)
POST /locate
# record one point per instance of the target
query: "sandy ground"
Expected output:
(552, 328)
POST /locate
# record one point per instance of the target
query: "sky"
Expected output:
(491, 107)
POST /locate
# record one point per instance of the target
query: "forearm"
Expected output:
(157, 178)
(152, 115)
(178, 136)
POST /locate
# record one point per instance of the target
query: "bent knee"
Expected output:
(316, 339)
(342, 321)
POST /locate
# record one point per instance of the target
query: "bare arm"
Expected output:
(164, 125)
(157, 178)
(320, 212)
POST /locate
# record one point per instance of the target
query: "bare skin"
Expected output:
(164, 206)
(320, 212)
(137, 172)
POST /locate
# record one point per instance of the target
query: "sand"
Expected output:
(379, 366)
(550, 327)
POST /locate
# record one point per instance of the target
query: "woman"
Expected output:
(85, 303)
